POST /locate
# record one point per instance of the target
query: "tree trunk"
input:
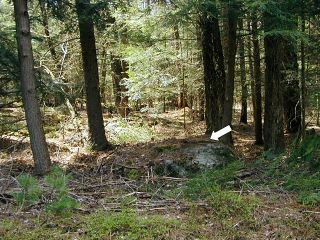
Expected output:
(273, 117)
(251, 70)
(257, 99)
(181, 99)
(230, 61)
(103, 76)
(119, 73)
(27, 77)
(210, 80)
(200, 94)
(97, 135)
(45, 24)
(243, 78)
(318, 110)
(292, 107)
(220, 74)
(201, 104)
(302, 79)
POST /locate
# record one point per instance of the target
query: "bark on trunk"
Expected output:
(45, 24)
(97, 135)
(103, 76)
(243, 78)
(119, 73)
(273, 117)
(27, 77)
(251, 70)
(220, 74)
(257, 110)
(292, 107)
(230, 60)
(201, 104)
(206, 24)
(181, 99)
(302, 79)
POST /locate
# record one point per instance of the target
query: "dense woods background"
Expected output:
(78, 71)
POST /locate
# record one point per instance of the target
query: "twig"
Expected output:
(308, 211)
(100, 185)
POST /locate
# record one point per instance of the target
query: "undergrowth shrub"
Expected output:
(298, 170)
(57, 181)
(30, 190)
(307, 154)
(56, 192)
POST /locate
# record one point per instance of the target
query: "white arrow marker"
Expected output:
(220, 133)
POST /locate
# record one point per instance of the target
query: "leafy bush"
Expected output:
(30, 190)
(57, 181)
(307, 154)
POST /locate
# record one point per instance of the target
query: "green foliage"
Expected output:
(307, 154)
(63, 204)
(57, 181)
(299, 171)
(151, 72)
(134, 174)
(11, 124)
(165, 148)
(227, 203)
(214, 185)
(30, 190)
(124, 132)
(128, 225)
(200, 185)
(310, 199)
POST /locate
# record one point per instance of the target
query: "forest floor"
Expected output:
(121, 197)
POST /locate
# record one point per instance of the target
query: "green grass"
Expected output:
(297, 171)
(200, 185)
(216, 186)
(128, 224)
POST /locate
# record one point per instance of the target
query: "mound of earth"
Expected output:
(187, 158)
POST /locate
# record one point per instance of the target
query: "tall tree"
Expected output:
(303, 72)
(292, 106)
(120, 72)
(120, 68)
(273, 117)
(230, 57)
(214, 68)
(256, 86)
(28, 86)
(243, 78)
(210, 79)
(97, 135)
(220, 73)
(45, 24)
(250, 65)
